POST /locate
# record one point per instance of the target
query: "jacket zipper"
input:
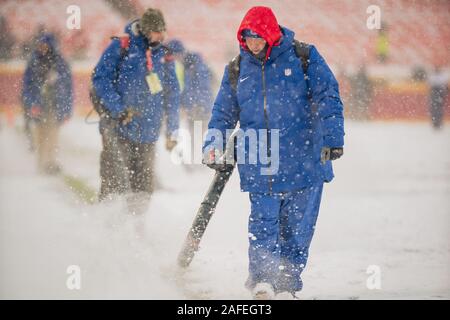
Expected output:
(266, 120)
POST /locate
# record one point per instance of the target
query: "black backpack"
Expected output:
(96, 101)
(301, 50)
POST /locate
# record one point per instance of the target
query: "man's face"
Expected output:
(154, 36)
(255, 45)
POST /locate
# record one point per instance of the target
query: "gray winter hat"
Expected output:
(152, 20)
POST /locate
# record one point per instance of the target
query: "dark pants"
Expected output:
(125, 166)
(28, 131)
(438, 98)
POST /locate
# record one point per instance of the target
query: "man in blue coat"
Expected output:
(47, 99)
(134, 84)
(195, 78)
(292, 117)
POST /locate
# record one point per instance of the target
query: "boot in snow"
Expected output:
(263, 291)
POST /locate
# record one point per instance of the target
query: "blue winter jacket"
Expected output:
(197, 81)
(119, 81)
(36, 74)
(304, 126)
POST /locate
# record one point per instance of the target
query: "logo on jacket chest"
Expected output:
(242, 80)
(288, 72)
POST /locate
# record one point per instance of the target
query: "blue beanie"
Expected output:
(247, 33)
(176, 46)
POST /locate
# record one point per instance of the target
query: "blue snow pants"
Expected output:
(281, 226)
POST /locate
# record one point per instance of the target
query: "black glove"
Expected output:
(331, 154)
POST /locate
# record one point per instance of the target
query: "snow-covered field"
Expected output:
(389, 206)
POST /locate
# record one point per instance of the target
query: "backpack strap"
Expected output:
(302, 51)
(233, 71)
(124, 45)
(168, 54)
(96, 101)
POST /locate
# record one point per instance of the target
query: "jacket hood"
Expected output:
(262, 21)
(133, 29)
(50, 40)
(285, 43)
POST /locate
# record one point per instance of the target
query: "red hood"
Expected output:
(262, 21)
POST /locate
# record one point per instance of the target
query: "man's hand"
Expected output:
(331, 154)
(170, 143)
(215, 160)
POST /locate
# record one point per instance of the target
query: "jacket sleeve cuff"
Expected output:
(333, 141)
(115, 113)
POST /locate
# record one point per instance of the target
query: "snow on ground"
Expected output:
(388, 206)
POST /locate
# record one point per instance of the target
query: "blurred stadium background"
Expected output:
(414, 39)
(388, 206)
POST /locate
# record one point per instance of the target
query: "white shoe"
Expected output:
(286, 295)
(263, 291)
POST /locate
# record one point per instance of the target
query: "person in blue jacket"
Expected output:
(134, 84)
(47, 98)
(195, 78)
(297, 120)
